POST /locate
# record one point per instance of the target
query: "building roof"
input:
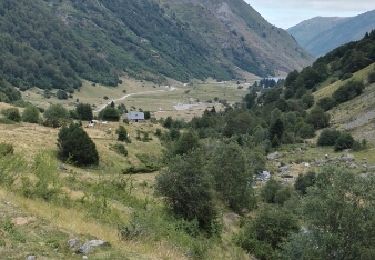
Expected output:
(136, 115)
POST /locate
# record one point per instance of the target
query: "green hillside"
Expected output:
(55, 44)
(238, 33)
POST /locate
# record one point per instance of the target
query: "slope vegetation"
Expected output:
(54, 44)
(238, 33)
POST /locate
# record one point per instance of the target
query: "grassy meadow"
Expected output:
(149, 96)
(44, 203)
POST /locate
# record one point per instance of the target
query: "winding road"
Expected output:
(130, 95)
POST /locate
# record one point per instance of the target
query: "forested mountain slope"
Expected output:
(238, 33)
(321, 34)
(56, 43)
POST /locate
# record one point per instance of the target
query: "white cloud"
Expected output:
(286, 13)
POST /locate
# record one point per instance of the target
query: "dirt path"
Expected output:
(133, 94)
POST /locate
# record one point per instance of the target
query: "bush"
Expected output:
(371, 77)
(344, 141)
(304, 181)
(31, 114)
(61, 94)
(264, 235)
(306, 131)
(188, 190)
(122, 134)
(327, 103)
(275, 192)
(147, 115)
(76, 146)
(348, 91)
(110, 114)
(318, 118)
(186, 143)
(308, 100)
(231, 172)
(12, 114)
(6, 149)
(347, 76)
(120, 149)
(158, 133)
(167, 123)
(56, 116)
(84, 112)
(328, 137)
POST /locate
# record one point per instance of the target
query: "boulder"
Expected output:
(348, 158)
(20, 221)
(353, 166)
(89, 246)
(284, 169)
(274, 156)
(74, 244)
(31, 257)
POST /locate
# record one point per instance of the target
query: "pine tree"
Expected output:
(76, 146)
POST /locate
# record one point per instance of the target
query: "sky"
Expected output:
(287, 13)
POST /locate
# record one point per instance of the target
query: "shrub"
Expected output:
(304, 181)
(347, 76)
(47, 185)
(76, 146)
(188, 190)
(147, 115)
(84, 112)
(327, 103)
(344, 141)
(158, 133)
(6, 149)
(122, 134)
(56, 116)
(231, 172)
(110, 114)
(264, 235)
(275, 192)
(12, 114)
(306, 131)
(328, 137)
(61, 94)
(318, 118)
(120, 149)
(186, 143)
(371, 77)
(348, 91)
(308, 100)
(168, 122)
(31, 114)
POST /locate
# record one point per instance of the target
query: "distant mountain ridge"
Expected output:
(320, 35)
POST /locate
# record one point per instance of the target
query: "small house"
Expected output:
(136, 116)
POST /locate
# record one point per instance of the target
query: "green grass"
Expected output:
(328, 89)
